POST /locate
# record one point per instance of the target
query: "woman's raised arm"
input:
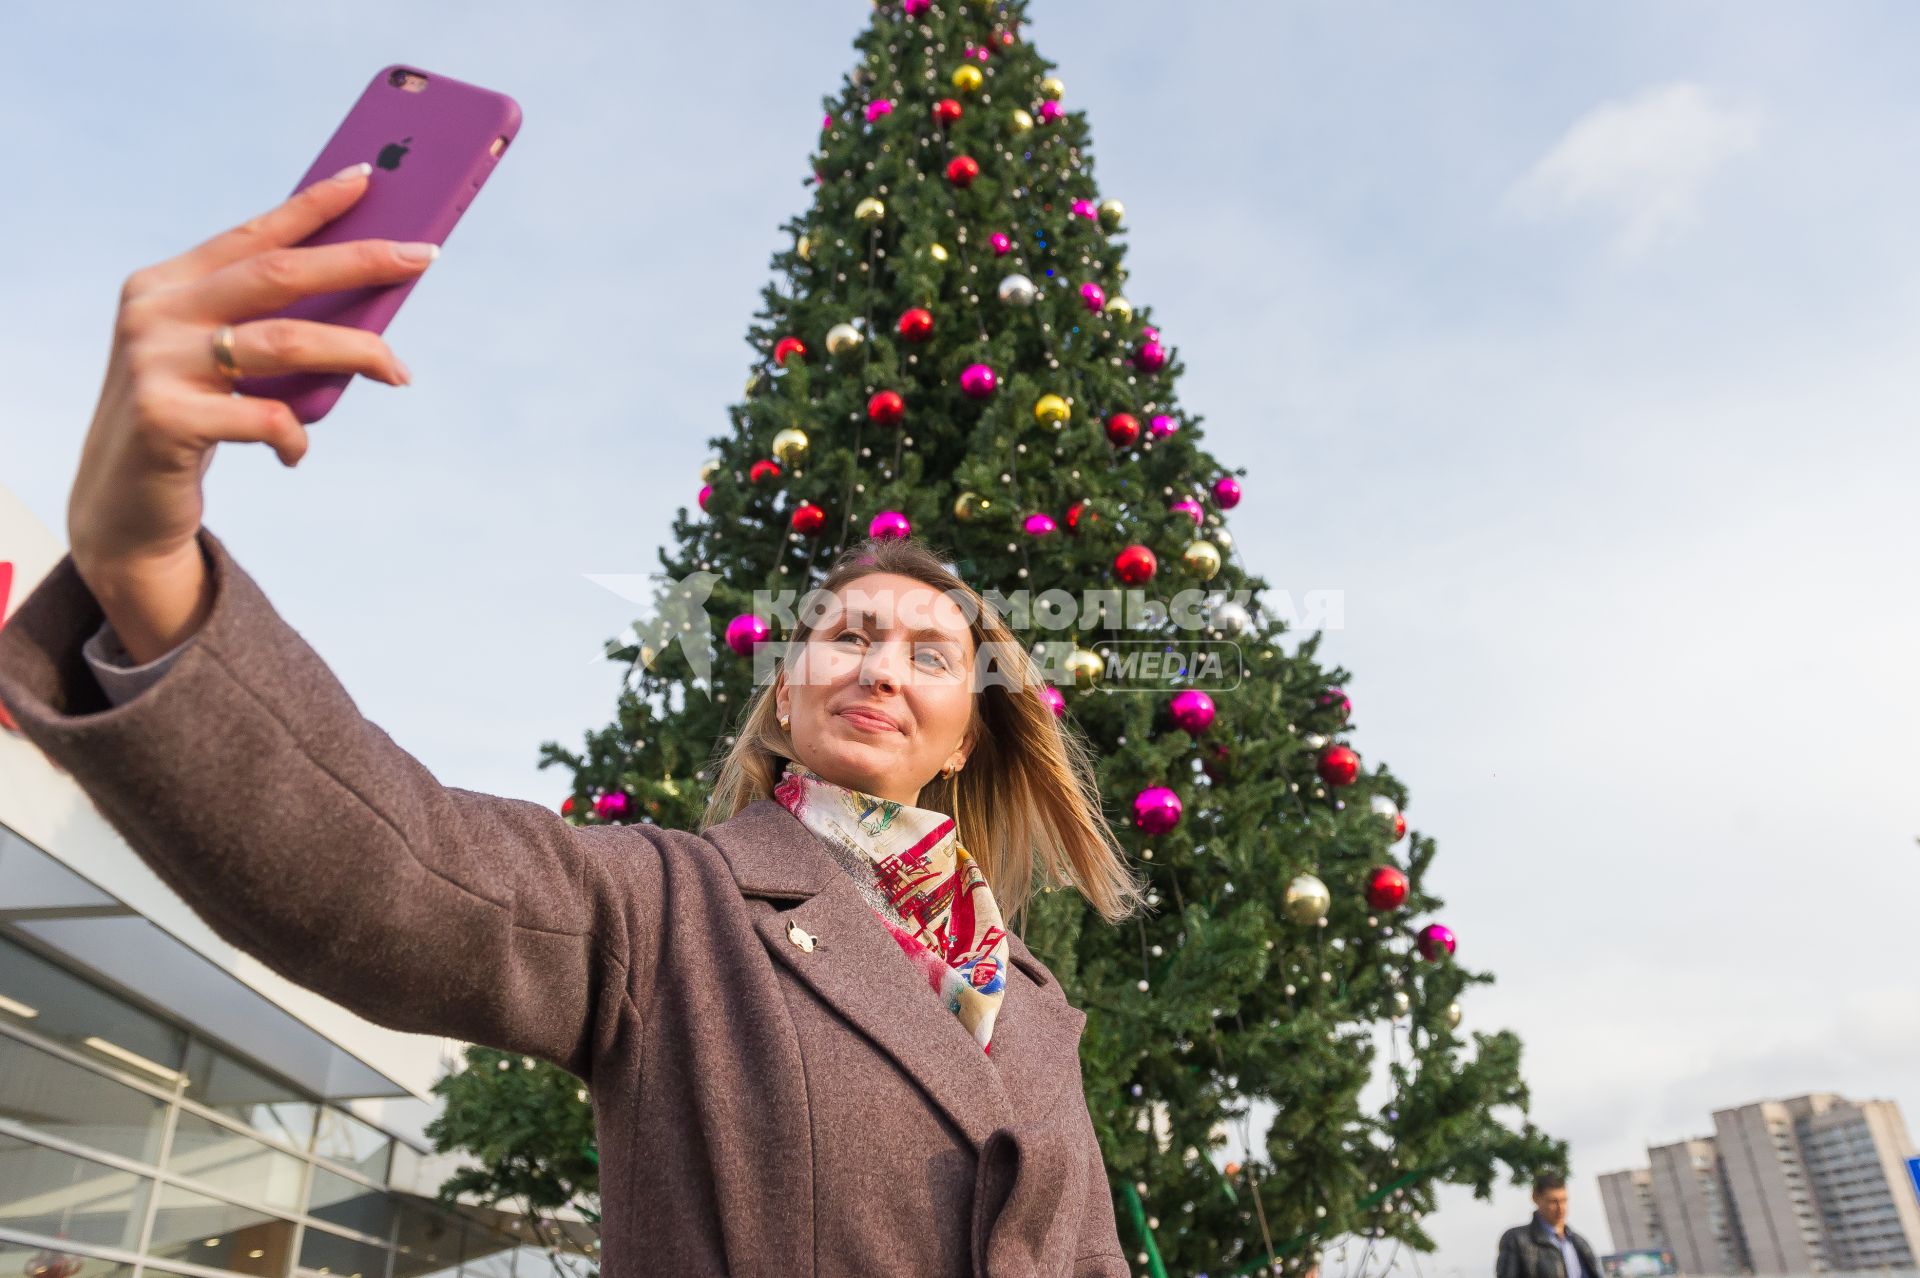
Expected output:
(245, 775)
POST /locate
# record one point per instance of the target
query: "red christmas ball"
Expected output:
(946, 111)
(1386, 889)
(566, 806)
(962, 170)
(1135, 565)
(1079, 511)
(1339, 766)
(886, 408)
(763, 470)
(1123, 430)
(808, 519)
(788, 346)
(916, 324)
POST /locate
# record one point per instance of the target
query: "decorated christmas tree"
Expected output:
(1273, 1053)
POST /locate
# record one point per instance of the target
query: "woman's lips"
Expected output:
(868, 720)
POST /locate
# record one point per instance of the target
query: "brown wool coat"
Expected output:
(761, 1109)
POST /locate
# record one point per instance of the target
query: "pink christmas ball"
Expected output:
(1342, 704)
(1093, 295)
(1162, 426)
(912, 7)
(610, 806)
(826, 122)
(747, 632)
(1055, 702)
(1086, 208)
(706, 491)
(1192, 711)
(978, 381)
(1435, 940)
(878, 108)
(1001, 244)
(1151, 357)
(1149, 332)
(1039, 525)
(1226, 492)
(889, 524)
(1051, 111)
(1156, 809)
(1188, 506)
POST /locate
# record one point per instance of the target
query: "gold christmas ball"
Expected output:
(804, 248)
(755, 381)
(708, 469)
(967, 506)
(869, 210)
(1453, 1016)
(968, 79)
(938, 252)
(1222, 538)
(1307, 900)
(1051, 410)
(842, 338)
(1202, 559)
(1020, 121)
(1120, 308)
(1051, 87)
(1112, 214)
(1085, 667)
(790, 446)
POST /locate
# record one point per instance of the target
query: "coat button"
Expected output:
(801, 937)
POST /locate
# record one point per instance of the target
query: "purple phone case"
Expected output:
(430, 152)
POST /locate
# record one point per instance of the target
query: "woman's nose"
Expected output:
(880, 666)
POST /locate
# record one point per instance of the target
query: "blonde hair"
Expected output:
(1027, 803)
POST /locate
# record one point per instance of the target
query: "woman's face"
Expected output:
(880, 696)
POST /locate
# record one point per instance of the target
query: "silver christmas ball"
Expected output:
(1232, 618)
(1383, 806)
(842, 338)
(1313, 741)
(1401, 1003)
(1307, 900)
(1018, 290)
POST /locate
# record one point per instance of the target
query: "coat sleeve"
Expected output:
(247, 779)
(1099, 1254)
(1507, 1264)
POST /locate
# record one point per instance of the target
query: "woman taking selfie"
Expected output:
(811, 1043)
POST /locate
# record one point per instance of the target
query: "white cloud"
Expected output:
(1644, 162)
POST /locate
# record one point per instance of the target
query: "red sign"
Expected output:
(6, 589)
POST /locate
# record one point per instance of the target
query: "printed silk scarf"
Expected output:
(944, 916)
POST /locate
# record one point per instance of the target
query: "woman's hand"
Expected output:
(137, 501)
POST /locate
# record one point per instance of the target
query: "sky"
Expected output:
(1571, 343)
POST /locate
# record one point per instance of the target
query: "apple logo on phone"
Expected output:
(389, 157)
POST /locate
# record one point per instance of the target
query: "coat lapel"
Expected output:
(857, 968)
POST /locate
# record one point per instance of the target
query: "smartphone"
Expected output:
(432, 141)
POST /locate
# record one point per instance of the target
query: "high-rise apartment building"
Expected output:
(1628, 1196)
(1808, 1185)
(1690, 1202)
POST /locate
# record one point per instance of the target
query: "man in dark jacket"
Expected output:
(1544, 1247)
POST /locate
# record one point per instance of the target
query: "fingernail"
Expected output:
(406, 378)
(417, 251)
(353, 171)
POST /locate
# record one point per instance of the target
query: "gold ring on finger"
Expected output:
(223, 351)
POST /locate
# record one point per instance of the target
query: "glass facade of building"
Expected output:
(130, 1147)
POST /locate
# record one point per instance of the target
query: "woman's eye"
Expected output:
(936, 655)
(850, 634)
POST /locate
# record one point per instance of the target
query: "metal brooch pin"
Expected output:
(801, 937)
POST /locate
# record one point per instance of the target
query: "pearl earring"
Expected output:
(784, 722)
